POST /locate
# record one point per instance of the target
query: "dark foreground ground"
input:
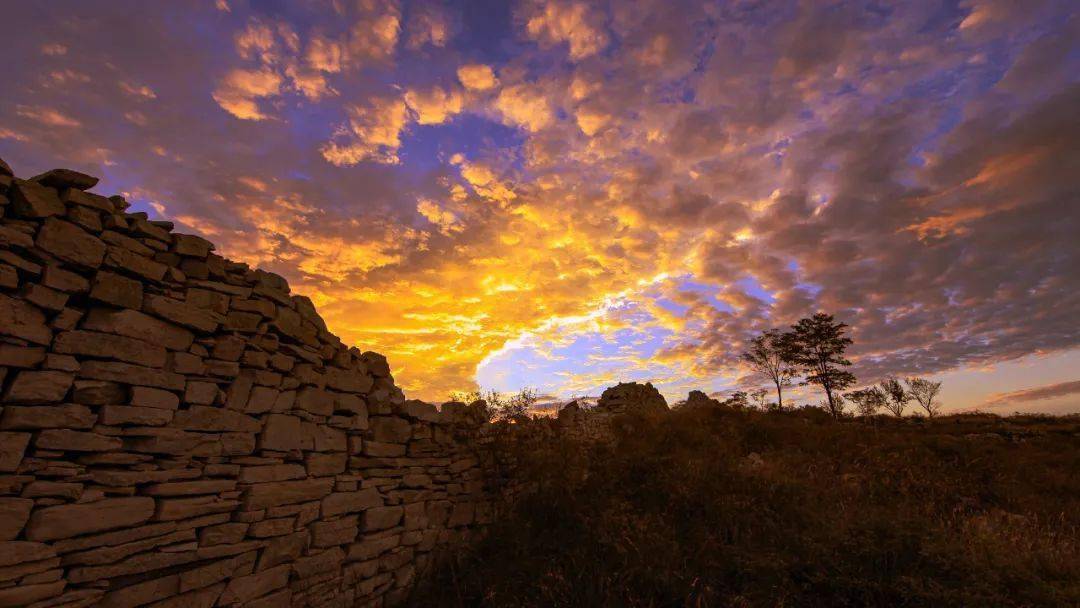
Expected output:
(732, 508)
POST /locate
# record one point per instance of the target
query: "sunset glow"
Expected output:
(564, 195)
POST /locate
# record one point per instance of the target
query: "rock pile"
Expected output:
(698, 399)
(179, 430)
(628, 397)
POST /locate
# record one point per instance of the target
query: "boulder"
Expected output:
(627, 397)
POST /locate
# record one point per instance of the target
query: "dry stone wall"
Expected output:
(179, 430)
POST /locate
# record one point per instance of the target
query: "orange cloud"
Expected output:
(477, 77)
(373, 133)
(239, 92)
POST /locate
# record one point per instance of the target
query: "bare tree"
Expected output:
(769, 356)
(896, 397)
(868, 400)
(925, 393)
(759, 398)
(817, 346)
(500, 406)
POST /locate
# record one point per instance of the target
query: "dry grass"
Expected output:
(737, 508)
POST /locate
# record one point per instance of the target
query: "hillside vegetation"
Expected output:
(726, 507)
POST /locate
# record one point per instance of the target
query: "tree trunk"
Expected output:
(779, 397)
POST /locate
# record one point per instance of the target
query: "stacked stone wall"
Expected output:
(180, 430)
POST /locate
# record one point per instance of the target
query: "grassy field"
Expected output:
(745, 508)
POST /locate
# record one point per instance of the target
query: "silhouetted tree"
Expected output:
(759, 396)
(925, 392)
(896, 397)
(769, 356)
(868, 400)
(737, 400)
(818, 345)
(497, 405)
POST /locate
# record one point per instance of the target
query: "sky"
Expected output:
(563, 195)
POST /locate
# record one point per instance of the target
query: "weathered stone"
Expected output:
(109, 346)
(74, 196)
(19, 552)
(25, 595)
(12, 448)
(315, 400)
(33, 200)
(376, 364)
(326, 561)
(388, 429)
(340, 503)
(126, 242)
(142, 593)
(94, 392)
(44, 298)
(129, 261)
(171, 509)
(200, 393)
(13, 515)
(370, 548)
(349, 381)
(330, 533)
(281, 433)
(21, 356)
(39, 387)
(188, 488)
(75, 441)
(421, 411)
(191, 245)
(116, 415)
(262, 495)
(68, 416)
(381, 518)
(283, 549)
(144, 396)
(117, 290)
(65, 521)
(222, 534)
(272, 472)
(65, 178)
(179, 312)
(322, 465)
(70, 243)
(23, 320)
(203, 418)
(383, 450)
(134, 324)
(268, 528)
(59, 279)
(131, 374)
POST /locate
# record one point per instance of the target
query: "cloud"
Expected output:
(598, 192)
(434, 106)
(444, 219)
(239, 92)
(526, 106)
(429, 25)
(477, 77)
(1040, 393)
(373, 133)
(572, 23)
(47, 116)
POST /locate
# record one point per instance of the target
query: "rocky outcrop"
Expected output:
(627, 397)
(698, 399)
(178, 429)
